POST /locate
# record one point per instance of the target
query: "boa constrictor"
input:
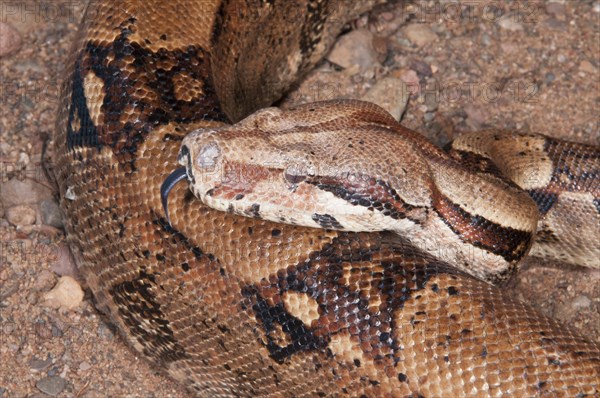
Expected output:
(234, 306)
(324, 165)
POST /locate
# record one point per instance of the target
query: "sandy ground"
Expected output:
(531, 66)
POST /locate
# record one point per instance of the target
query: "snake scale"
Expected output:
(236, 306)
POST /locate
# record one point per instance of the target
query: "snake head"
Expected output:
(195, 161)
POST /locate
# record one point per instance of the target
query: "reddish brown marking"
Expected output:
(240, 178)
(479, 164)
(359, 189)
(509, 243)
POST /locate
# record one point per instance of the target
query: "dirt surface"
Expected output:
(531, 66)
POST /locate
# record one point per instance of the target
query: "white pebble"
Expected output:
(66, 294)
(20, 215)
(10, 40)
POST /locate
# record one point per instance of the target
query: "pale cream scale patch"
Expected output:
(76, 123)
(155, 35)
(93, 88)
(302, 205)
(579, 235)
(437, 239)
(187, 88)
(481, 196)
(316, 201)
(302, 306)
(520, 157)
(350, 353)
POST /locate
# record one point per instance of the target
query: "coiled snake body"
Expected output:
(236, 306)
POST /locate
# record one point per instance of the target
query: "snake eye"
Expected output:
(208, 156)
(294, 178)
(295, 174)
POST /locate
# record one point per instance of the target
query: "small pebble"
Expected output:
(510, 22)
(66, 294)
(32, 298)
(549, 77)
(10, 40)
(419, 34)
(83, 366)
(587, 67)
(391, 94)
(40, 364)
(65, 371)
(476, 115)
(65, 263)
(51, 214)
(428, 117)
(354, 48)
(580, 302)
(66, 357)
(19, 192)
(555, 24)
(105, 332)
(411, 79)
(486, 40)
(20, 215)
(556, 9)
(23, 159)
(51, 385)
(44, 280)
(422, 68)
(431, 102)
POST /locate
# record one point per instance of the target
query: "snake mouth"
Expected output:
(167, 185)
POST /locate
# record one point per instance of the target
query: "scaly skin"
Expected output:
(233, 306)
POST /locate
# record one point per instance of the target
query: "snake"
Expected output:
(255, 301)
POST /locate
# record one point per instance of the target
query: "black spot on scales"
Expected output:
(120, 93)
(452, 291)
(327, 221)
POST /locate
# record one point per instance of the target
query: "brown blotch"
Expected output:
(507, 242)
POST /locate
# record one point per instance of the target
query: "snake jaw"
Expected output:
(168, 184)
